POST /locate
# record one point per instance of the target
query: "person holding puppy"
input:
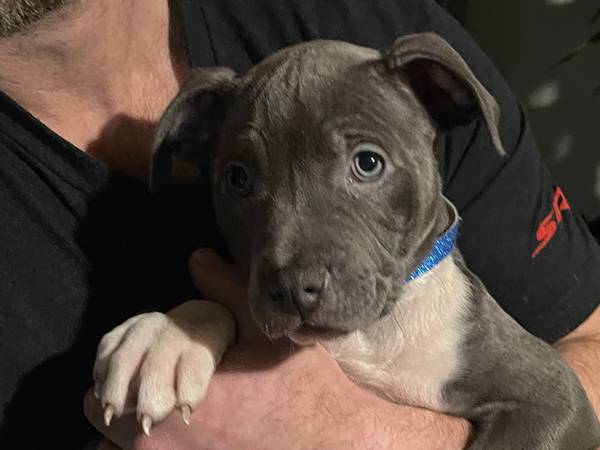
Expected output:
(85, 245)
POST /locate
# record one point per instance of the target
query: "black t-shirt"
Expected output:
(83, 247)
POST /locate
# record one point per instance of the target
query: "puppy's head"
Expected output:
(323, 173)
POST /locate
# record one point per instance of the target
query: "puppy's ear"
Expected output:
(443, 82)
(188, 127)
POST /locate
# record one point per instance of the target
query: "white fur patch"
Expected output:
(409, 355)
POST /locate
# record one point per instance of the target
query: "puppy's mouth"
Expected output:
(299, 331)
(307, 334)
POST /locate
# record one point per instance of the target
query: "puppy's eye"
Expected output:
(368, 163)
(238, 180)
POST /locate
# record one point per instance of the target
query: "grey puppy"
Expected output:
(323, 168)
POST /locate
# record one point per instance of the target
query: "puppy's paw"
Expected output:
(156, 362)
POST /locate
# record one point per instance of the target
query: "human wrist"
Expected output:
(378, 424)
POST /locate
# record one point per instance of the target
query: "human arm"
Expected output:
(581, 348)
(268, 395)
(337, 412)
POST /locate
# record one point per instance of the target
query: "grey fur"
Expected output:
(327, 254)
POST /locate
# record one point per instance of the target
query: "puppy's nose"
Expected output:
(304, 288)
(307, 294)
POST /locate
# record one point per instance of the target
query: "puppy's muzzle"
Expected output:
(309, 295)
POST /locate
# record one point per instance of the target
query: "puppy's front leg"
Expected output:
(154, 362)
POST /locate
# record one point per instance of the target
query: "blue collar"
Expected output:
(442, 247)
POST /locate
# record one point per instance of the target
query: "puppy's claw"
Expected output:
(146, 424)
(109, 412)
(186, 412)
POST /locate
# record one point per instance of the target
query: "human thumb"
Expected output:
(218, 281)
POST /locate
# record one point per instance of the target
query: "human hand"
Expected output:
(271, 395)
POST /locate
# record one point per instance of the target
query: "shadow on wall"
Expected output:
(526, 39)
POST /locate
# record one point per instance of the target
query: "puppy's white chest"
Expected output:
(410, 355)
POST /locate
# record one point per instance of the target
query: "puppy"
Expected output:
(322, 163)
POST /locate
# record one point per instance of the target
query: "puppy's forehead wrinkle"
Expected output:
(296, 77)
(306, 60)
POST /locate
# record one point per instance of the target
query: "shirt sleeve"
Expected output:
(520, 233)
